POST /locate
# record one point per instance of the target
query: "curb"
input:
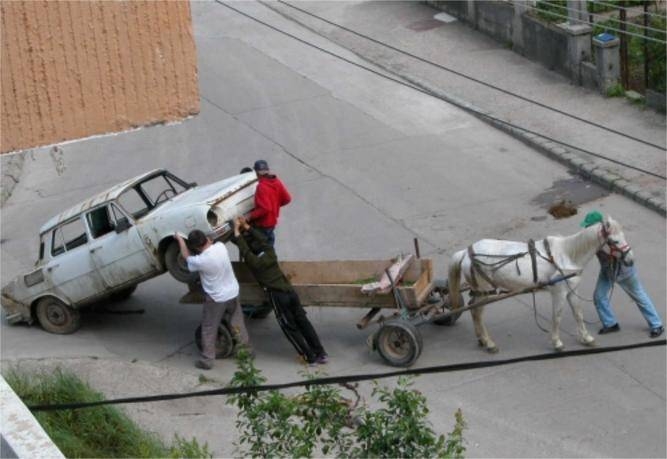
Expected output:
(585, 168)
(613, 181)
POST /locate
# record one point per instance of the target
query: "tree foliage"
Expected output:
(321, 422)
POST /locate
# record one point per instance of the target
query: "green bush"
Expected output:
(320, 421)
(101, 431)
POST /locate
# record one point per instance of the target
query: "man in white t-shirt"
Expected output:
(212, 262)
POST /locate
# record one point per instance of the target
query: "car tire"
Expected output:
(124, 293)
(56, 317)
(177, 266)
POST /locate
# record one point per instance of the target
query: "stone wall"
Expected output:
(75, 69)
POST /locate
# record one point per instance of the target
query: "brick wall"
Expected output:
(73, 69)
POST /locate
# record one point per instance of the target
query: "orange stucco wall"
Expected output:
(70, 69)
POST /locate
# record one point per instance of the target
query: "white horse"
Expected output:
(490, 265)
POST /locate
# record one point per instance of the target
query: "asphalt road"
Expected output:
(371, 165)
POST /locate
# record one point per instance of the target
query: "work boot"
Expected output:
(657, 331)
(609, 329)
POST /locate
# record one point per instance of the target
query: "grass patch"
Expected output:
(103, 431)
(615, 90)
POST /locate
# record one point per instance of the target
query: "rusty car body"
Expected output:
(104, 246)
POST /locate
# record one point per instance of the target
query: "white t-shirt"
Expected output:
(216, 273)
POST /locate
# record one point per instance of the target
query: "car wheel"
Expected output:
(124, 293)
(56, 317)
(177, 265)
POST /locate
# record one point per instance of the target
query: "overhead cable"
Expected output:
(606, 27)
(639, 26)
(476, 80)
(618, 7)
(430, 93)
(349, 378)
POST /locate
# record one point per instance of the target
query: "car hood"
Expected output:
(209, 194)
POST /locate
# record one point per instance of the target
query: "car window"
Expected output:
(100, 222)
(133, 203)
(68, 236)
(160, 188)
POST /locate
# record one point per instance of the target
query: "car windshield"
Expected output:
(150, 193)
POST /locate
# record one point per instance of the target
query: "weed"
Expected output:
(615, 90)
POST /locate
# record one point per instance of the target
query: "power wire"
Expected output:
(624, 32)
(658, 15)
(432, 94)
(476, 80)
(639, 26)
(349, 378)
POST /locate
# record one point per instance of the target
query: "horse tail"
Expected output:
(454, 283)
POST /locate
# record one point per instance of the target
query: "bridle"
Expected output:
(615, 250)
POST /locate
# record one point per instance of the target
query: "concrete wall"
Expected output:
(74, 69)
(21, 436)
(542, 42)
(545, 43)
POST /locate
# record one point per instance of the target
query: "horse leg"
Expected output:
(557, 298)
(482, 333)
(584, 337)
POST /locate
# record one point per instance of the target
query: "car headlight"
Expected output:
(212, 218)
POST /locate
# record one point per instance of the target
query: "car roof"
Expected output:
(100, 198)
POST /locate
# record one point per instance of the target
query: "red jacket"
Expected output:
(270, 196)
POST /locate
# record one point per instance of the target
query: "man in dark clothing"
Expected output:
(260, 257)
(270, 196)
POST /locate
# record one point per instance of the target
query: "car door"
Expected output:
(70, 268)
(117, 250)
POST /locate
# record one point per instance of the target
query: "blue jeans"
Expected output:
(633, 288)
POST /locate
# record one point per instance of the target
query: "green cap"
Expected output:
(592, 218)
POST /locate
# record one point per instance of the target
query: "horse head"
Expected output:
(611, 236)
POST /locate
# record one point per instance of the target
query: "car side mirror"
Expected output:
(122, 225)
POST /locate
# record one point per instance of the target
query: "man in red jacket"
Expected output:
(270, 196)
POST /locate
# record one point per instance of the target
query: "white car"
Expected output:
(104, 246)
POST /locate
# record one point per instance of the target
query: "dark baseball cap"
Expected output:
(261, 166)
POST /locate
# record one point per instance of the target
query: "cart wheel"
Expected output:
(224, 346)
(442, 290)
(399, 343)
(56, 317)
(447, 306)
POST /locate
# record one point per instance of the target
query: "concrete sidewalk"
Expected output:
(410, 26)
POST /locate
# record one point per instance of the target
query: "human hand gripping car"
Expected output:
(212, 262)
(260, 258)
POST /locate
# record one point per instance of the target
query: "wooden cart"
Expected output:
(412, 299)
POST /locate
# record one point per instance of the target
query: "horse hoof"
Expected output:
(492, 350)
(480, 343)
(560, 348)
(591, 343)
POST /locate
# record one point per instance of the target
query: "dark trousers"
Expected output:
(296, 326)
(269, 233)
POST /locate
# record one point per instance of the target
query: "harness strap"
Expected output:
(533, 260)
(476, 269)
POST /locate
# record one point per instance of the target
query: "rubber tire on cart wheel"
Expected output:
(442, 288)
(399, 343)
(177, 265)
(56, 317)
(124, 293)
(224, 346)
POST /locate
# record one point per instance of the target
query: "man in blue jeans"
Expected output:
(612, 270)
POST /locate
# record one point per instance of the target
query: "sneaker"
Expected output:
(655, 332)
(204, 364)
(322, 359)
(610, 329)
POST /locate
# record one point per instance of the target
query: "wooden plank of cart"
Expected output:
(404, 288)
